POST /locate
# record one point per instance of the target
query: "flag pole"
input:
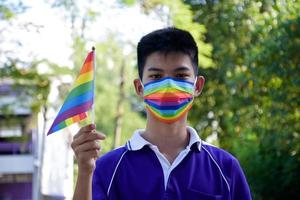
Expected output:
(94, 85)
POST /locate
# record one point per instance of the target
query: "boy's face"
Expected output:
(175, 65)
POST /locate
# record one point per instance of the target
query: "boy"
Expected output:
(167, 160)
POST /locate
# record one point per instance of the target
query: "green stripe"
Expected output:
(61, 125)
(80, 90)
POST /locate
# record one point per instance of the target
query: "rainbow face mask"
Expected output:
(168, 99)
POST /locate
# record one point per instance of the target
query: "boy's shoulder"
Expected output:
(105, 169)
(222, 158)
(107, 163)
(111, 157)
(216, 151)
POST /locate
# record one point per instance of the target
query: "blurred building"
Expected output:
(19, 143)
(32, 165)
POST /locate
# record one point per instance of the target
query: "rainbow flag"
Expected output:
(80, 98)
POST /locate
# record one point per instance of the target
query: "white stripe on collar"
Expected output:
(137, 142)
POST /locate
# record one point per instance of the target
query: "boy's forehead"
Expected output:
(173, 60)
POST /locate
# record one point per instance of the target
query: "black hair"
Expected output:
(167, 40)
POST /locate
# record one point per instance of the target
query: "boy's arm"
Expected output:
(239, 186)
(86, 148)
(83, 189)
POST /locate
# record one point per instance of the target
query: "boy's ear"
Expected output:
(199, 85)
(139, 89)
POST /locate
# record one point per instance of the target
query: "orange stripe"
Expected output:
(168, 95)
(76, 118)
(88, 63)
(87, 67)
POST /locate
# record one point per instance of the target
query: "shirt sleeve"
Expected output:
(239, 187)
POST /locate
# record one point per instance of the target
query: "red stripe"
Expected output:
(82, 115)
(172, 98)
(168, 94)
(88, 63)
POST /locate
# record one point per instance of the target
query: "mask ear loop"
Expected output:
(142, 84)
(195, 82)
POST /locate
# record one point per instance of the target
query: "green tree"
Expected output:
(252, 93)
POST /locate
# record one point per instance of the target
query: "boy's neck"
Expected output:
(169, 138)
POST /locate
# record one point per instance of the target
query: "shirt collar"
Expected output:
(137, 142)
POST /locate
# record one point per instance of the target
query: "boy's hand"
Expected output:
(86, 147)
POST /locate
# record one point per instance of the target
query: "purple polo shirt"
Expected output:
(205, 173)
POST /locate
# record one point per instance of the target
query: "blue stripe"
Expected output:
(151, 104)
(169, 113)
(55, 128)
(83, 98)
(169, 103)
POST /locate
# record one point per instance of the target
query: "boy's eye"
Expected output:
(155, 76)
(182, 76)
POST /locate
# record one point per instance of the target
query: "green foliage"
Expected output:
(253, 93)
(128, 2)
(9, 9)
(37, 85)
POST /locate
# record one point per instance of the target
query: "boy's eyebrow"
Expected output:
(182, 68)
(155, 69)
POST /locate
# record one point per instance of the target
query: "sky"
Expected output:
(52, 39)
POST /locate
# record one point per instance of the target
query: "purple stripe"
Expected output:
(169, 103)
(71, 112)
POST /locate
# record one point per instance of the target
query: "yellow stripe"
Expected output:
(86, 77)
(69, 121)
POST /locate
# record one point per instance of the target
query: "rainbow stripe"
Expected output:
(168, 99)
(79, 100)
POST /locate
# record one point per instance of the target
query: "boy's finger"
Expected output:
(87, 146)
(88, 137)
(85, 129)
